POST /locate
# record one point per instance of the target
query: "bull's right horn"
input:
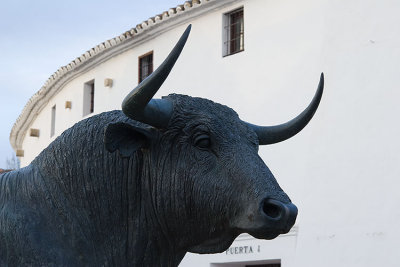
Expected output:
(140, 106)
(274, 134)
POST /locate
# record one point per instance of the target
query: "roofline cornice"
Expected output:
(141, 33)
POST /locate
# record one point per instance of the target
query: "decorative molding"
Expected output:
(34, 132)
(20, 153)
(108, 82)
(68, 104)
(143, 32)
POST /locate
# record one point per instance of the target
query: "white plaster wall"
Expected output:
(342, 170)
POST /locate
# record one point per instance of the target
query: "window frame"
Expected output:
(140, 68)
(53, 120)
(229, 34)
(89, 91)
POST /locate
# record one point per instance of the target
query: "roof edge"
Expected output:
(144, 31)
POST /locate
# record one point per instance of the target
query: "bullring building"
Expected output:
(263, 59)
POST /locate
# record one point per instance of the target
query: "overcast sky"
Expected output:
(37, 37)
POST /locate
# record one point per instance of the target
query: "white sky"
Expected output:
(37, 37)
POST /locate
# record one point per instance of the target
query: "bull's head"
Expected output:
(208, 183)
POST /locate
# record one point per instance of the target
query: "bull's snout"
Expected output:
(281, 216)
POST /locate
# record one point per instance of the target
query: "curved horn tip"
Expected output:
(320, 88)
(274, 134)
(136, 104)
(185, 34)
(321, 79)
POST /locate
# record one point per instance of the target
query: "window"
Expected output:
(88, 98)
(233, 32)
(53, 121)
(145, 66)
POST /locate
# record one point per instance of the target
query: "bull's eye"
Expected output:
(202, 141)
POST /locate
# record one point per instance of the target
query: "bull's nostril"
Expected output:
(272, 210)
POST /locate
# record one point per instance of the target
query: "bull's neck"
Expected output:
(154, 251)
(148, 238)
(111, 203)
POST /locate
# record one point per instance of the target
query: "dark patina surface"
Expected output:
(143, 186)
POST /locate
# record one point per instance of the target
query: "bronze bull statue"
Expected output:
(145, 185)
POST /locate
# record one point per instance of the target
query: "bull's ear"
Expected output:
(127, 138)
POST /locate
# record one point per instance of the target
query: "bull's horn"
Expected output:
(140, 106)
(274, 134)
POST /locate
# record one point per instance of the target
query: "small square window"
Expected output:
(233, 32)
(145, 65)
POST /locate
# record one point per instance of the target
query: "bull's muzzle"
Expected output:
(281, 216)
(272, 218)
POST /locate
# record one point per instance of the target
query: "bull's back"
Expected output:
(11, 220)
(16, 218)
(13, 184)
(27, 236)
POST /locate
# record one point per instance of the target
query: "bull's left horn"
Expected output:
(274, 134)
(140, 106)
